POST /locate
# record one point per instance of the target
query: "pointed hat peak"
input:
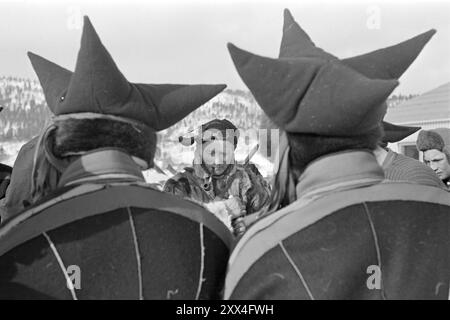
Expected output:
(42, 63)
(297, 43)
(390, 62)
(89, 31)
(394, 133)
(288, 17)
(54, 79)
(289, 22)
(87, 22)
(387, 63)
(312, 95)
(97, 83)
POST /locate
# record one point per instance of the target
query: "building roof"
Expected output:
(433, 105)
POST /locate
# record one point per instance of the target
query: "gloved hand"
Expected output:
(238, 211)
(239, 227)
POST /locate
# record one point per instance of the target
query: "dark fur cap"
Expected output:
(307, 147)
(80, 135)
(438, 139)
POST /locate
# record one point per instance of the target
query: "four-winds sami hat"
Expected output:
(387, 63)
(97, 86)
(308, 90)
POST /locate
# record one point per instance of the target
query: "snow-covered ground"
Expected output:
(11, 149)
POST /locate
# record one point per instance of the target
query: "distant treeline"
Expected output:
(25, 111)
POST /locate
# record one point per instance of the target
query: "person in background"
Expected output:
(5, 176)
(5, 180)
(347, 233)
(274, 140)
(95, 229)
(435, 145)
(399, 167)
(18, 195)
(215, 180)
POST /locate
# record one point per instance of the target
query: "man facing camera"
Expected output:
(399, 167)
(215, 180)
(435, 145)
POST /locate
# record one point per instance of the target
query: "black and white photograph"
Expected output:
(237, 152)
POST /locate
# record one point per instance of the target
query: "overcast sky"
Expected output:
(174, 41)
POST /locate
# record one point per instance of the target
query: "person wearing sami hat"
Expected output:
(435, 145)
(296, 42)
(94, 228)
(400, 167)
(387, 63)
(346, 233)
(226, 188)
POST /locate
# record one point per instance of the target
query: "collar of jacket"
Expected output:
(390, 157)
(101, 165)
(339, 171)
